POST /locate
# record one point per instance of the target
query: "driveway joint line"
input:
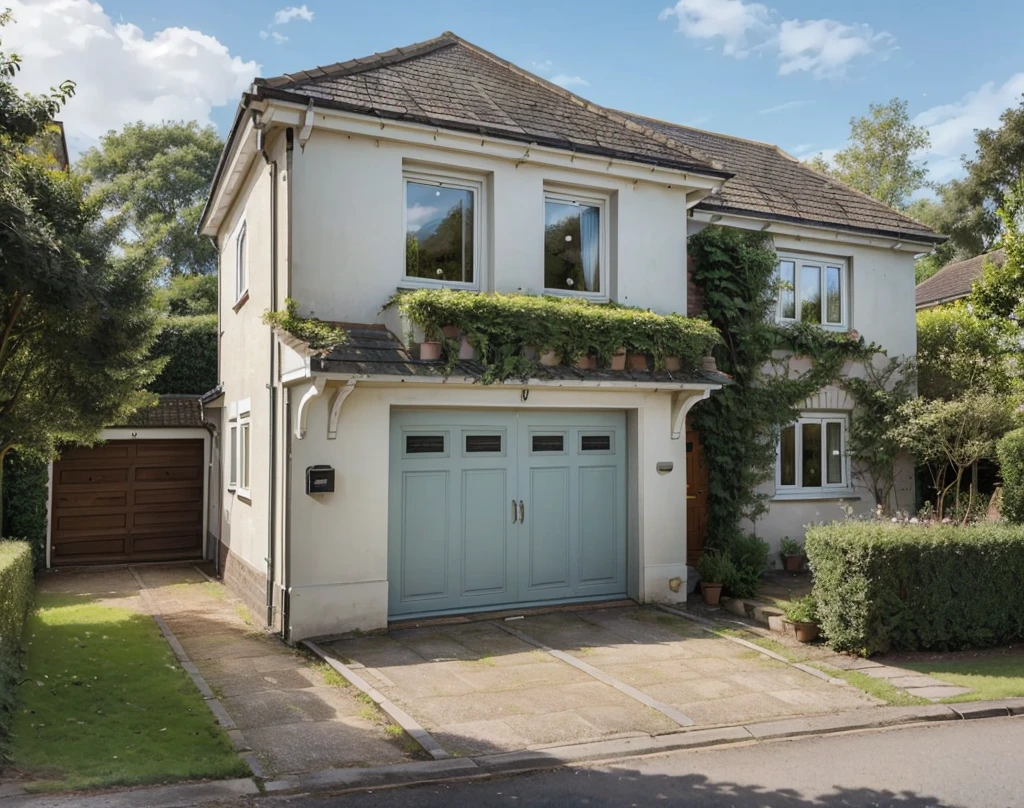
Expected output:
(392, 710)
(666, 710)
(220, 714)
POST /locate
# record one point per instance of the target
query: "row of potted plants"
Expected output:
(509, 333)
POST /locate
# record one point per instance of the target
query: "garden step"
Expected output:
(755, 610)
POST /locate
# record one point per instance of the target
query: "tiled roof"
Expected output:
(954, 281)
(450, 83)
(170, 411)
(769, 183)
(375, 351)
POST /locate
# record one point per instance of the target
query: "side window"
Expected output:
(575, 245)
(240, 445)
(241, 264)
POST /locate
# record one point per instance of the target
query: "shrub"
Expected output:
(803, 610)
(750, 559)
(715, 567)
(1010, 451)
(24, 502)
(320, 336)
(15, 599)
(890, 587)
(190, 345)
(790, 547)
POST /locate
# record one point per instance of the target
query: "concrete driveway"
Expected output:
(577, 676)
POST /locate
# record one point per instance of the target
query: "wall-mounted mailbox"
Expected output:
(319, 480)
(665, 466)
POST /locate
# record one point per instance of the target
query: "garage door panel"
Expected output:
(111, 506)
(484, 531)
(548, 525)
(425, 532)
(599, 545)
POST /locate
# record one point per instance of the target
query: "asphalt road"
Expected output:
(967, 764)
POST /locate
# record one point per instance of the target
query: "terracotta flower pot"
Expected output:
(466, 351)
(793, 563)
(711, 593)
(673, 364)
(550, 358)
(637, 361)
(586, 362)
(805, 632)
(451, 332)
(430, 351)
(708, 364)
(619, 359)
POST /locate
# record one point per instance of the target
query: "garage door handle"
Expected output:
(522, 512)
(513, 512)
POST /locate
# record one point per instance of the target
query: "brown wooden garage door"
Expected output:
(128, 501)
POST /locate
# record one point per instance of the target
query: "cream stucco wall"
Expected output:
(340, 540)
(349, 245)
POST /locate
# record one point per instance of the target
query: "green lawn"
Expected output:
(878, 688)
(104, 702)
(989, 677)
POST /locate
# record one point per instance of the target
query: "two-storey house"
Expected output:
(442, 165)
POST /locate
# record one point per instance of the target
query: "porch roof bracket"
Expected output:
(337, 401)
(302, 411)
(681, 404)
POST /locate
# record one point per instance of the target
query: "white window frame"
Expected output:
(242, 459)
(826, 489)
(601, 202)
(822, 262)
(241, 252)
(462, 182)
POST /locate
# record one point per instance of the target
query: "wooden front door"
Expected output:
(696, 498)
(127, 501)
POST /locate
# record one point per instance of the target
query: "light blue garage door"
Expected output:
(502, 508)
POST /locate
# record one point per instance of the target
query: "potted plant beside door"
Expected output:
(715, 569)
(802, 617)
(792, 553)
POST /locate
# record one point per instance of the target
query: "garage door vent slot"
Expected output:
(596, 443)
(424, 444)
(483, 443)
(548, 443)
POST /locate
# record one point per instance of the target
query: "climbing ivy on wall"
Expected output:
(739, 424)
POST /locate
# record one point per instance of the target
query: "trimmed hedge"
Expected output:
(891, 587)
(25, 493)
(15, 599)
(1010, 451)
(190, 345)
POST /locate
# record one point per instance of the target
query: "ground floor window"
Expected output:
(812, 454)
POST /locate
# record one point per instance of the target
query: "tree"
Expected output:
(998, 296)
(152, 181)
(959, 353)
(880, 158)
(76, 323)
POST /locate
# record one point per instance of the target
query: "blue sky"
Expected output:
(791, 73)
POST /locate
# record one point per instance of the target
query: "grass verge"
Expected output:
(103, 702)
(764, 642)
(990, 678)
(878, 688)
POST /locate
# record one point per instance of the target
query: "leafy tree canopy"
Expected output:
(75, 318)
(880, 158)
(152, 180)
(188, 295)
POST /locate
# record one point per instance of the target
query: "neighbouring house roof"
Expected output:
(450, 83)
(954, 281)
(169, 412)
(453, 84)
(375, 351)
(768, 183)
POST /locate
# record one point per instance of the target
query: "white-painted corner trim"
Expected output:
(337, 402)
(315, 390)
(682, 402)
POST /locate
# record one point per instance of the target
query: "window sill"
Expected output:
(816, 496)
(837, 327)
(426, 283)
(241, 301)
(243, 496)
(593, 297)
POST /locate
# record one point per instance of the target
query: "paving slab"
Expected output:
(937, 692)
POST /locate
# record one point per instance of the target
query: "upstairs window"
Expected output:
(812, 290)
(442, 230)
(575, 255)
(241, 264)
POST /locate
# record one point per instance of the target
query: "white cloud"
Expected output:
(543, 67)
(286, 15)
(562, 80)
(952, 126)
(824, 48)
(121, 75)
(277, 36)
(788, 105)
(733, 21)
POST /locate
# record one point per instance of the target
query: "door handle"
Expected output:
(513, 512)
(522, 512)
